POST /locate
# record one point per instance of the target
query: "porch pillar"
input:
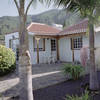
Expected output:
(57, 42)
(72, 50)
(37, 39)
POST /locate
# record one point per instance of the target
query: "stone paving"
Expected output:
(43, 75)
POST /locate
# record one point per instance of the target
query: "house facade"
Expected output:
(42, 43)
(73, 38)
(12, 40)
(48, 44)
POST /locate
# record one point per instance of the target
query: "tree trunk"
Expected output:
(25, 73)
(94, 85)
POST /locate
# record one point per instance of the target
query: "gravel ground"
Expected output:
(59, 91)
(43, 75)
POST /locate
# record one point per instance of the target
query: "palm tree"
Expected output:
(25, 73)
(87, 9)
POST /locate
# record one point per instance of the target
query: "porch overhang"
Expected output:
(38, 37)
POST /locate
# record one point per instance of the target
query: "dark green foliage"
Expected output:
(84, 96)
(56, 16)
(73, 71)
(87, 8)
(7, 60)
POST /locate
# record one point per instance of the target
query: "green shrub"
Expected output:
(73, 70)
(7, 60)
(84, 96)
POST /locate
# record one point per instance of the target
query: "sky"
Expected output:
(8, 8)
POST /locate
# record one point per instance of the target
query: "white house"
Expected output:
(42, 43)
(42, 48)
(12, 40)
(73, 38)
(48, 44)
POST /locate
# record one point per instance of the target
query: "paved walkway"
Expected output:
(43, 75)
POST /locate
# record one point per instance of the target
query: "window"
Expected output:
(53, 44)
(41, 44)
(13, 43)
(77, 43)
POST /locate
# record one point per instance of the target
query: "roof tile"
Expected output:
(42, 29)
(77, 28)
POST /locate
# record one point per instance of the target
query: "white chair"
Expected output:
(53, 60)
(49, 59)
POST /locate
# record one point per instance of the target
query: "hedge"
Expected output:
(7, 60)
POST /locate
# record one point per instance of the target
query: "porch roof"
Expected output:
(75, 29)
(42, 29)
(38, 29)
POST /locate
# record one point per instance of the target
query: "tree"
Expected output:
(25, 75)
(88, 9)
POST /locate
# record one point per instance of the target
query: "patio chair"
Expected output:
(51, 59)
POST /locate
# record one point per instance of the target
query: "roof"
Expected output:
(39, 29)
(42, 29)
(77, 28)
(11, 32)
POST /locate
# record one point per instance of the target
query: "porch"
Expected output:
(44, 49)
(48, 44)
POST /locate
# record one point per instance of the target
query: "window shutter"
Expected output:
(34, 44)
(44, 44)
(71, 43)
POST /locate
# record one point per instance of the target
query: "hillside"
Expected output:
(9, 23)
(57, 16)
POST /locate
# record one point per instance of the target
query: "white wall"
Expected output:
(77, 55)
(43, 55)
(65, 52)
(10, 36)
(97, 46)
(14, 41)
(85, 40)
(65, 49)
(97, 40)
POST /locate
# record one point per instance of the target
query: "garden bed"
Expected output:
(59, 91)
